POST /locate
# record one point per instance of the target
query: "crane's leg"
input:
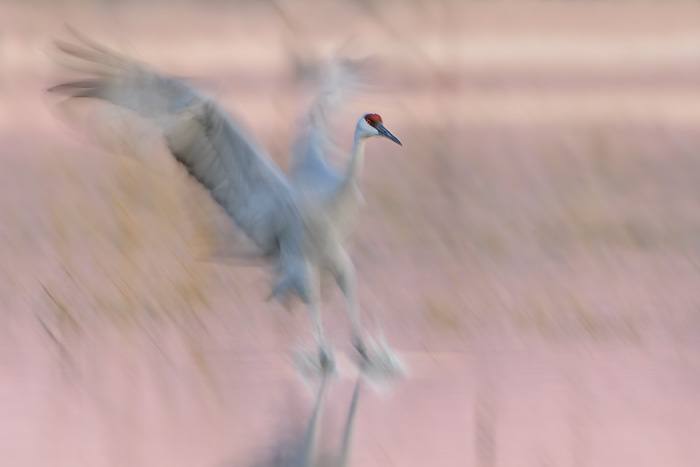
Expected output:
(324, 355)
(379, 360)
(344, 273)
(314, 307)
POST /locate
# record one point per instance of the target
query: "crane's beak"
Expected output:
(386, 133)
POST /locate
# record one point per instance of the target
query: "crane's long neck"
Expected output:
(353, 170)
(357, 160)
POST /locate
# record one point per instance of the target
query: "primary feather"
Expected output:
(238, 173)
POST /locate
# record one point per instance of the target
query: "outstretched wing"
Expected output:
(237, 172)
(339, 78)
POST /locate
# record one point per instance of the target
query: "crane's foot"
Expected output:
(361, 349)
(319, 366)
(379, 361)
(326, 360)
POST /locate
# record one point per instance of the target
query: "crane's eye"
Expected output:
(369, 122)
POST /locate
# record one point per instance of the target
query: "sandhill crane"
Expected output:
(301, 221)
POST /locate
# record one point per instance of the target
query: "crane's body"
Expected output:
(302, 219)
(328, 202)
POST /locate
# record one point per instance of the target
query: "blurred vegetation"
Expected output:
(526, 190)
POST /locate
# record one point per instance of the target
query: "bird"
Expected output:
(301, 221)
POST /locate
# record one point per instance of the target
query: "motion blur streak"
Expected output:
(531, 251)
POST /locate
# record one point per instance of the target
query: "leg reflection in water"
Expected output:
(309, 450)
(311, 455)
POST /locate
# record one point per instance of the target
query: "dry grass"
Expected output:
(567, 198)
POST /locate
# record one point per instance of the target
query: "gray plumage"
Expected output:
(302, 220)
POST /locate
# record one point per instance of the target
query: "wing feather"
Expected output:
(339, 78)
(237, 172)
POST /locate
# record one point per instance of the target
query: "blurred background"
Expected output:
(532, 251)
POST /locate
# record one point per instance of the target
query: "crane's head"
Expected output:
(372, 125)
